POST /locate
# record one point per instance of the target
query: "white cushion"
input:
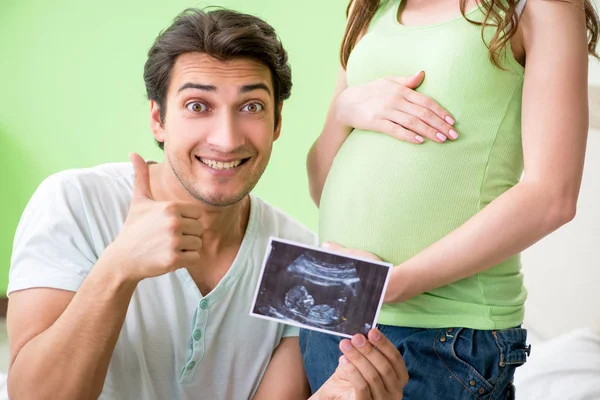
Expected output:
(566, 367)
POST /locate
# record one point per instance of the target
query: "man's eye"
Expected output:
(253, 107)
(197, 107)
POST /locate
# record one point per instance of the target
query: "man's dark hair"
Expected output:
(224, 35)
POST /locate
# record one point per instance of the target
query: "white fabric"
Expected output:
(67, 224)
(566, 367)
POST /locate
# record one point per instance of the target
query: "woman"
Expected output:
(451, 198)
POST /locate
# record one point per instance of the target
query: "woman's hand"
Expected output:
(391, 106)
(370, 369)
(352, 252)
(400, 287)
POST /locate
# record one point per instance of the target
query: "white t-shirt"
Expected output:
(175, 343)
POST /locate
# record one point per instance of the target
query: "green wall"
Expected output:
(72, 93)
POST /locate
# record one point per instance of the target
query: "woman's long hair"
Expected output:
(499, 13)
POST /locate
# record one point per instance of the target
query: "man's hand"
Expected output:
(370, 369)
(157, 237)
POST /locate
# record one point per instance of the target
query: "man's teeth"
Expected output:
(221, 165)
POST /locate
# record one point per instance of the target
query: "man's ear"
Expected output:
(278, 127)
(156, 124)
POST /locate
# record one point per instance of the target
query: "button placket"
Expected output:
(199, 330)
(197, 341)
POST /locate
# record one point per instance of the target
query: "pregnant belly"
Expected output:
(394, 198)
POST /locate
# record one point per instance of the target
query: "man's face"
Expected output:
(219, 126)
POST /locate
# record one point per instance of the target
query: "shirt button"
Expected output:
(191, 365)
(442, 339)
(197, 335)
(472, 382)
(204, 304)
(481, 390)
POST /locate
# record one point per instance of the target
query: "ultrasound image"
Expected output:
(320, 289)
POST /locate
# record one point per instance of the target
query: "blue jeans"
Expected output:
(450, 363)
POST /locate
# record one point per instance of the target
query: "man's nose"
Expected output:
(225, 135)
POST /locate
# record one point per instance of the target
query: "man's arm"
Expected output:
(284, 377)
(371, 368)
(61, 342)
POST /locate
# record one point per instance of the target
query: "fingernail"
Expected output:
(344, 360)
(359, 340)
(449, 120)
(419, 139)
(326, 245)
(453, 134)
(375, 334)
(440, 136)
(346, 345)
(417, 73)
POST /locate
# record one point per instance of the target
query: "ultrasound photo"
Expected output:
(318, 289)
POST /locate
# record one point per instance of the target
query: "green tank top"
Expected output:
(394, 199)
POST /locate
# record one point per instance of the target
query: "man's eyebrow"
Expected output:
(199, 86)
(211, 88)
(254, 86)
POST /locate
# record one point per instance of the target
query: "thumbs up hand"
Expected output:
(141, 181)
(158, 236)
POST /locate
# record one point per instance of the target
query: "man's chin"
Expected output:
(220, 199)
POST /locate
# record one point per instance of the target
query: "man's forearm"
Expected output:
(70, 359)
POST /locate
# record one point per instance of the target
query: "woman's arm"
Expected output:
(324, 149)
(555, 126)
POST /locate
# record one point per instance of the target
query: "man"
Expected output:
(134, 281)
